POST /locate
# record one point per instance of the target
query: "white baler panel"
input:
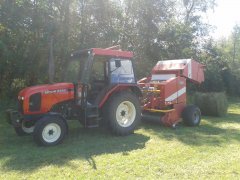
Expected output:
(175, 95)
(174, 64)
(162, 77)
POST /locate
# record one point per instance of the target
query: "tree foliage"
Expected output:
(35, 33)
(222, 58)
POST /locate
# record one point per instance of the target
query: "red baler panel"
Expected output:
(174, 90)
(170, 65)
(187, 68)
(197, 72)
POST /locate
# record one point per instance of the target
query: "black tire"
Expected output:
(132, 108)
(46, 125)
(19, 131)
(191, 115)
(26, 128)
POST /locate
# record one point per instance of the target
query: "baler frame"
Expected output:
(164, 91)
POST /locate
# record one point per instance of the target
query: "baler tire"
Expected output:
(130, 105)
(191, 116)
(47, 125)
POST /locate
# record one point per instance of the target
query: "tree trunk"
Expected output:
(66, 37)
(51, 67)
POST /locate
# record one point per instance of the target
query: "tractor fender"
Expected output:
(136, 90)
(54, 114)
(117, 88)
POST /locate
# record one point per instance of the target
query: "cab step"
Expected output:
(92, 116)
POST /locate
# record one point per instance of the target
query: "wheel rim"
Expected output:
(125, 114)
(26, 129)
(51, 132)
(196, 117)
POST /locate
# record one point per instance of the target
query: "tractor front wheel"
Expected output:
(49, 131)
(123, 113)
(26, 128)
(191, 115)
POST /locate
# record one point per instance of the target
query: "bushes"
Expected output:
(212, 104)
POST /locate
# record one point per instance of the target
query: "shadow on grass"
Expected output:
(230, 118)
(21, 153)
(208, 133)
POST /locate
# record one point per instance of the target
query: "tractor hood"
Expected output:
(40, 99)
(46, 89)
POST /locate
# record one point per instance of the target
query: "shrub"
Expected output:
(16, 85)
(212, 104)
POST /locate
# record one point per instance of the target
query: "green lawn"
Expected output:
(211, 150)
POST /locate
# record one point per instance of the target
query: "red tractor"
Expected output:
(107, 92)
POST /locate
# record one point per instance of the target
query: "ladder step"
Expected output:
(93, 126)
(93, 122)
(92, 111)
(93, 116)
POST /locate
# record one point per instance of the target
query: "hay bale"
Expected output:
(211, 104)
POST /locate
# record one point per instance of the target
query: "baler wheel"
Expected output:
(49, 131)
(191, 115)
(122, 113)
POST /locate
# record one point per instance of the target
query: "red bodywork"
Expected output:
(112, 53)
(52, 94)
(165, 89)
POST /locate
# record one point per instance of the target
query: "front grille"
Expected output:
(20, 106)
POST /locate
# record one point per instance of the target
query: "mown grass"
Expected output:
(210, 151)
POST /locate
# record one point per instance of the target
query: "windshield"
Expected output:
(123, 72)
(74, 69)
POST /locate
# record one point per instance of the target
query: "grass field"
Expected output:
(210, 151)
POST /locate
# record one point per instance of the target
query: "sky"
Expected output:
(225, 15)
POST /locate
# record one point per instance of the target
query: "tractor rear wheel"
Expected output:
(49, 131)
(191, 115)
(123, 113)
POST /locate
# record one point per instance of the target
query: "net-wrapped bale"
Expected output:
(212, 104)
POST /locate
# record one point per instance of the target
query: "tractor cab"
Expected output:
(100, 71)
(104, 73)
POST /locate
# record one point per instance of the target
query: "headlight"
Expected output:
(20, 98)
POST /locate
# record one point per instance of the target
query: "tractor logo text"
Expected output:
(55, 91)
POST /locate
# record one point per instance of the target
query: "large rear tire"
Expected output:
(49, 131)
(123, 113)
(191, 115)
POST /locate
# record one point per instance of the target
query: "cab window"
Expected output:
(121, 71)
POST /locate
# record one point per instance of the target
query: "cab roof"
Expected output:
(103, 52)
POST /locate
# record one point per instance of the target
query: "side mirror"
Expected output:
(118, 63)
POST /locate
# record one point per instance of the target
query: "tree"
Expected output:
(34, 33)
